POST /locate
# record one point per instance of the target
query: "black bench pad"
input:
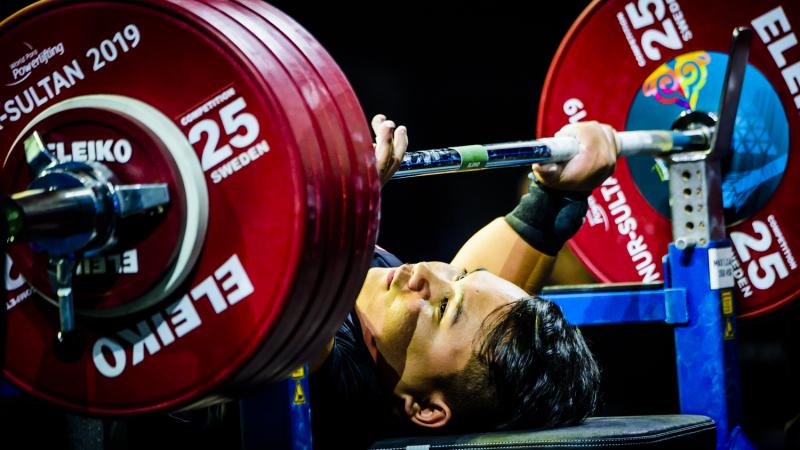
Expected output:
(627, 432)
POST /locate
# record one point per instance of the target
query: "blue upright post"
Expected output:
(277, 415)
(706, 347)
(8, 390)
(701, 261)
(299, 409)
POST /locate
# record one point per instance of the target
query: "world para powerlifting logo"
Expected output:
(30, 60)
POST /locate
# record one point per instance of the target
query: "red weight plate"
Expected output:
(327, 199)
(354, 235)
(307, 339)
(638, 65)
(290, 334)
(162, 55)
(353, 117)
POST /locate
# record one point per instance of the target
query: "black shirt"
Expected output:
(349, 408)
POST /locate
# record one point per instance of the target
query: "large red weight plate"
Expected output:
(336, 255)
(348, 256)
(259, 206)
(329, 163)
(638, 65)
(283, 337)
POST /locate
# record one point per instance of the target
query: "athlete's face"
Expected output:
(423, 320)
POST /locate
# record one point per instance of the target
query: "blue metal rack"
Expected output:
(698, 303)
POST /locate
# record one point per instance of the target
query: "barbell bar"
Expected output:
(556, 149)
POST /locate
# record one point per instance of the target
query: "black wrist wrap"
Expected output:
(547, 218)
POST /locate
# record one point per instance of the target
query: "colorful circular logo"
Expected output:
(693, 82)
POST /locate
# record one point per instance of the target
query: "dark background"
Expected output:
(460, 74)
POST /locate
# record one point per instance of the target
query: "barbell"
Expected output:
(233, 169)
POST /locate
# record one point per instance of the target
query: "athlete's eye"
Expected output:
(443, 307)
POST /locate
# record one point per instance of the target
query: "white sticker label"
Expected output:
(720, 267)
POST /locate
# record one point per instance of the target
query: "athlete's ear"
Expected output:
(431, 412)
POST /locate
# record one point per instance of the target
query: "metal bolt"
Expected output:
(683, 242)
